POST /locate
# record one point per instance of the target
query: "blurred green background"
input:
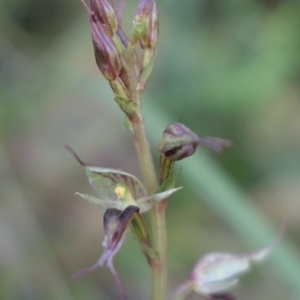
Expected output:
(224, 68)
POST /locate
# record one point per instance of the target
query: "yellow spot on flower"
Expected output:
(120, 191)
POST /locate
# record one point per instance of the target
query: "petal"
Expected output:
(214, 287)
(214, 143)
(107, 255)
(216, 272)
(115, 224)
(146, 203)
(104, 204)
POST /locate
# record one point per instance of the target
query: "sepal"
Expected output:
(115, 224)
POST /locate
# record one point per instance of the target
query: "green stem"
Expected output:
(159, 268)
(144, 155)
(157, 214)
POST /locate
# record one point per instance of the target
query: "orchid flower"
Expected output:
(123, 197)
(217, 272)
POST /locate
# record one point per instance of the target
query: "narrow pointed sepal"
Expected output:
(146, 203)
(104, 204)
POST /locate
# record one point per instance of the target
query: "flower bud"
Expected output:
(142, 21)
(150, 38)
(179, 142)
(105, 12)
(143, 11)
(106, 52)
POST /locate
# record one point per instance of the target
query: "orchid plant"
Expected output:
(126, 61)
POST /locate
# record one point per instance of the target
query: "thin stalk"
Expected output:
(144, 155)
(159, 269)
(157, 214)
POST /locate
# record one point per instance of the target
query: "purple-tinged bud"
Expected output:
(106, 69)
(179, 142)
(143, 11)
(106, 14)
(106, 52)
(123, 38)
(142, 21)
(150, 39)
